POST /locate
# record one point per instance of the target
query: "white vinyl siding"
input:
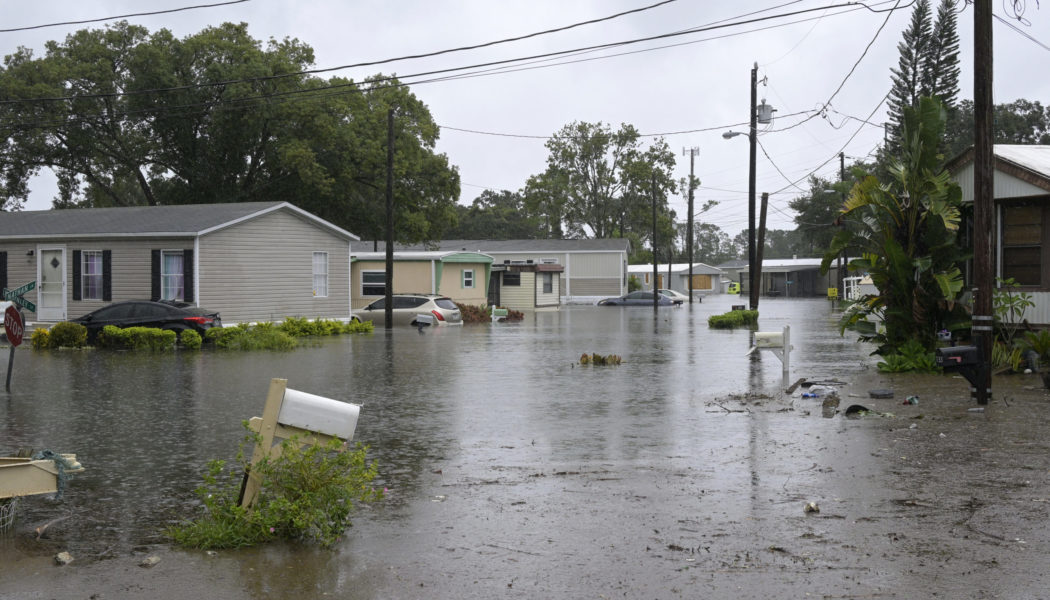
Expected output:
(320, 274)
(261, 270)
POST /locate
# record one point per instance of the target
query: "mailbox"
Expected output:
(769, 339)
(319, 414)
(954, 357)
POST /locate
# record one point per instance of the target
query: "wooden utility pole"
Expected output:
(983, 201)
(656, 268)
(388, 307)
(689, 228)
(761, 244)
(753, 137)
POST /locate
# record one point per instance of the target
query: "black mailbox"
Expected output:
(954, 357)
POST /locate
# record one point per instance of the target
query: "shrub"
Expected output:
(190, 339)
(307, 494)
(136, 338)
(911, 356)
(41, 338)
(359, 327)
(474, 314)
(246, 337)
(68, 335)
(733, 318)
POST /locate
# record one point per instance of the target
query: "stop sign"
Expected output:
(13, 325)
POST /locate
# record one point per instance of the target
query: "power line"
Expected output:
(1020, 31)
(700, 29)
(889, 13)
(144, 14)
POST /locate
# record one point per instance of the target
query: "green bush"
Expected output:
(41, 338)
(911, 356)
(733, 318)
(307, 494)
(246, 337)
(190, 339)
(136, 338)
(359, 327)
(68, 335)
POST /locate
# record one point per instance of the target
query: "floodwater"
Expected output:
(514, 471)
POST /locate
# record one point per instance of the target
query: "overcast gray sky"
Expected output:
(690, 88)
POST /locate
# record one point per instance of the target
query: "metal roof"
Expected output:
(1034, 158)
(510, 246)
(676, 268)
(155, 221)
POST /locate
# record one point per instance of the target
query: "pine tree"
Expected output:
(908, 76)
(940, 77)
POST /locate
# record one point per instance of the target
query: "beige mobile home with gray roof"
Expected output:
(593, 269)
(250, 261)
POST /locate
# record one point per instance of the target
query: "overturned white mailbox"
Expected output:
(288, 413)
(777, 342)
(318, 414)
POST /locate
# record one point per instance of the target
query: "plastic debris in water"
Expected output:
(811, 507)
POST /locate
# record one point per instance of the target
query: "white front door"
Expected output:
(51, 284)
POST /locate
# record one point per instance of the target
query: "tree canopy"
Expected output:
(599, 183)
(128, 117)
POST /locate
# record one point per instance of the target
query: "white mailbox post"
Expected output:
(777, 342)
(288, 413)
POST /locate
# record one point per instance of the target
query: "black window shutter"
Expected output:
(3, 269)
(188, 293)
(155, 275)
(107, 275)
(77, 292)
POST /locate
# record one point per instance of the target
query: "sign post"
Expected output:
(14, 327)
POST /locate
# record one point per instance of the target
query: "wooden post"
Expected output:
(263, 448)
(983, 201)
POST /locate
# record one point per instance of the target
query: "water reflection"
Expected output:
(452, 399)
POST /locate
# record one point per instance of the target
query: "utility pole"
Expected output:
(983, 192)
(753, 138)
(388, 305)
(759, 250)
(656, 268)
(689, 228)
(842, 255)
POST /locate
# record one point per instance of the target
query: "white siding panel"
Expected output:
(1006, 186)
(593, 264)
(519, 297)
(262, 270)
(1040, 313)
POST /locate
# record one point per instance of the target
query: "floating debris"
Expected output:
(598, 359)
(811, 507)
(880, 394)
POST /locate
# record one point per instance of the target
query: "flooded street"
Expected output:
(513, 471)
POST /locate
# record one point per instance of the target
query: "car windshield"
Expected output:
(446, 303)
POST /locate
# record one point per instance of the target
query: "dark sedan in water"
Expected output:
(639, 299)
(175, 316)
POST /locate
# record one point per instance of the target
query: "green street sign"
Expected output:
(26, 304)
(12, 294)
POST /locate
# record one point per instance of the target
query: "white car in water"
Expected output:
(675, 296)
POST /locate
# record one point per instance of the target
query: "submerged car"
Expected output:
(639, 299)
(165, 314)
(676, 296)
(413, 309)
